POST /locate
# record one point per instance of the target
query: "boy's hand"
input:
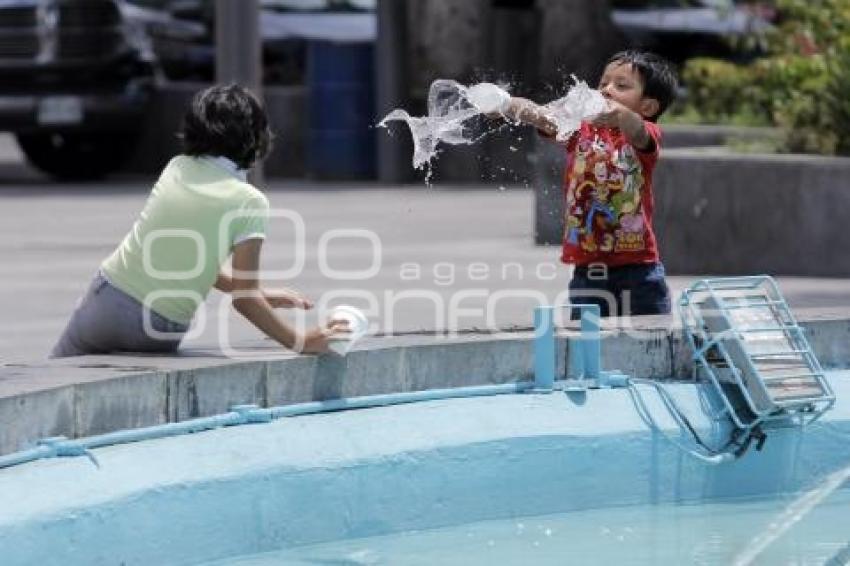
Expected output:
(628, 121)
(287, 299)
(612, 117)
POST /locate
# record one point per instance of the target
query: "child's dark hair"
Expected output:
(658, 75)
(229, 121)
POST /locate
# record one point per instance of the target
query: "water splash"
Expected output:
(452, 108)
(581, 103)
(792, 514)
(450, 112)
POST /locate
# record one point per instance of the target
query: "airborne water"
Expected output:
(453, 109)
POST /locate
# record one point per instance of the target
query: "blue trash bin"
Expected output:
(341, 133)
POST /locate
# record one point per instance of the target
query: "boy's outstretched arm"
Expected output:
(629, 122)
(528, 112)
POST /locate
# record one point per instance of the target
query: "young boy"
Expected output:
(201, 211)
(608, 187)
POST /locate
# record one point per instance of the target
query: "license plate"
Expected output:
(57, 110)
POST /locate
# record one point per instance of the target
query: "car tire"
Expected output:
(76, 156)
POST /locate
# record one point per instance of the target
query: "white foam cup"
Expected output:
(358, 325)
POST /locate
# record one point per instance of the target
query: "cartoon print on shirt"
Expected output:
(604, 197)
(572, 229)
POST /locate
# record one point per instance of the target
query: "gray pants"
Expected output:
(109, 320)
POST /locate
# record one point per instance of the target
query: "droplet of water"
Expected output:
(520, 527)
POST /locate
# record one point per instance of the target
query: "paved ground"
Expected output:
(426, 258)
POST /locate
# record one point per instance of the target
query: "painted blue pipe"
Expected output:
(247, 414)
(399, 398)
(544, 349)
(26, 456)
(241, 414)
(584, 364)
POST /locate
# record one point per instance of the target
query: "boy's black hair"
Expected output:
(229, 121)
(658, 75)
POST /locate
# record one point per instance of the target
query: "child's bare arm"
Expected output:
(277, 298)
(629, 122)
(252, 303)
(528, 112)
(223, 282)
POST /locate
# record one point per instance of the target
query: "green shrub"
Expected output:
(838, 97)
(721, 92)
(801, 86)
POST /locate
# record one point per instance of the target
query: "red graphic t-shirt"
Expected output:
(608, 190)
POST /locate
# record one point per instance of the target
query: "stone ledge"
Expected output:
(90, 395)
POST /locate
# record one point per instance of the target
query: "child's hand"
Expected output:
(612, 116)
(627, 121)
(317, 340)
(287, 299)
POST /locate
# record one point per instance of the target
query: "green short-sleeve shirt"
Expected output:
(197, 211)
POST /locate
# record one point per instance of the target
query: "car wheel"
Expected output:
(76, 156)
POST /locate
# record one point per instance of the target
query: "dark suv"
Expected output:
(76, 77)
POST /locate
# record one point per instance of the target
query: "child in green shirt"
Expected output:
(201, 211)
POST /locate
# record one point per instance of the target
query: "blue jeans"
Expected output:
(621, 291)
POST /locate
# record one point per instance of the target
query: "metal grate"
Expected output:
(18, 17)
(747, 343)
(18, 45)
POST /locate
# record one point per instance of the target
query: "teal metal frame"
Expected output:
(802, 410)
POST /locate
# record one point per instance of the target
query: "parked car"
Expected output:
(77, 76)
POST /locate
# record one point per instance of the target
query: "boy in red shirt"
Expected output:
(608, 187)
